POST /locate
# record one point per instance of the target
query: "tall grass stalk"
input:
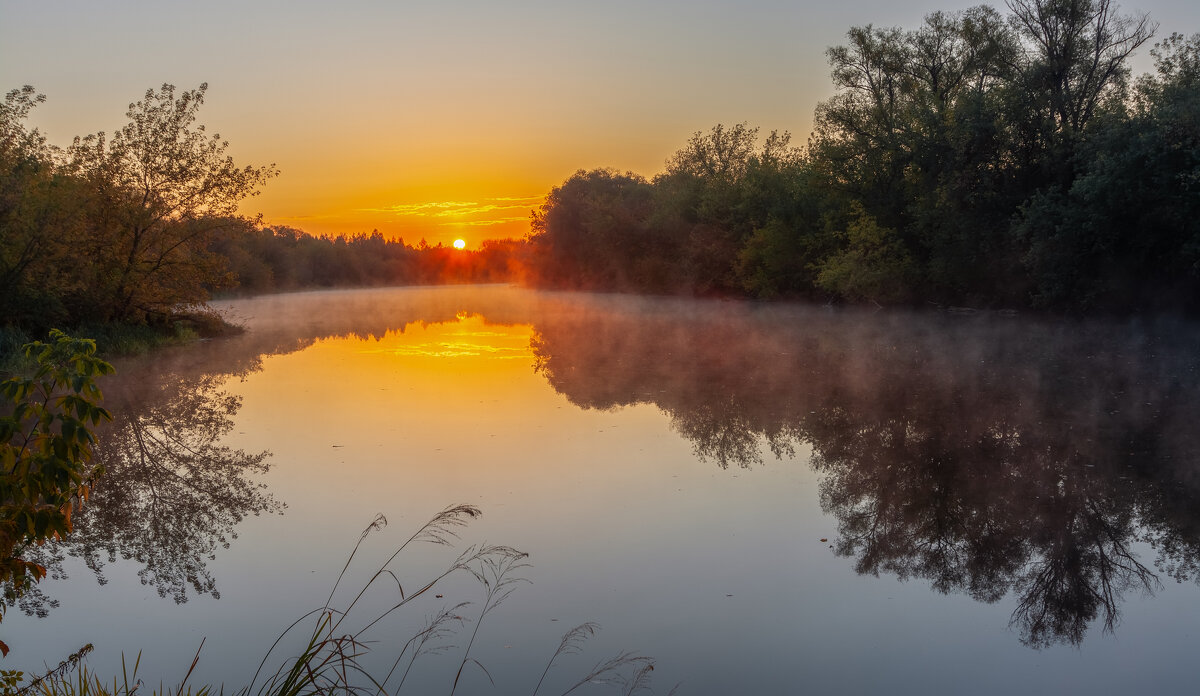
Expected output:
(427, 642)
(496, 573)
(331, 655)
(330, 660)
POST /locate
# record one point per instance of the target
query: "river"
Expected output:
(763, 498)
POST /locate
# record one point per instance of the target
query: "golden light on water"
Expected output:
(460, 244)
(476, 372)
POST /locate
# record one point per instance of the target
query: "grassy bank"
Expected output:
(114, 339)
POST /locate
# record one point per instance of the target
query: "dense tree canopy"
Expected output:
(982, 158)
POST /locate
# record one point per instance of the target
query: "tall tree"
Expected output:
(1078, 52)
(917, 139)
(1126, 233)
(1076, 60)
(720, 188)
(161, 186)
(859, 133)
(591, 232)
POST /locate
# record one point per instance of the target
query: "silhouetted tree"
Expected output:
(161, 187)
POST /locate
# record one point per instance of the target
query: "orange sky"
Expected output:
(442, 120)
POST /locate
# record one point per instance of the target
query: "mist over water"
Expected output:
(766, 498)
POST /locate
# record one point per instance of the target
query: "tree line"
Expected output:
(140, 226)
(983, 159)
(273, 259)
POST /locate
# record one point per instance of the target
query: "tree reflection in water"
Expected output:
(987, 456)
(171, 493)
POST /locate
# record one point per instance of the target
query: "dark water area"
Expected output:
(764, 498)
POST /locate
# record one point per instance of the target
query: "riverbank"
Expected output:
(115, 339)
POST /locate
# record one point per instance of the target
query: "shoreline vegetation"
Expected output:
(987, 160)
(115, 339)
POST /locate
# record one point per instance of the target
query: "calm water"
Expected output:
(767, 499)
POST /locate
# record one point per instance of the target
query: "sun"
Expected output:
(460, 244)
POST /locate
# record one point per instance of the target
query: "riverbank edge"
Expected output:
(115, 339)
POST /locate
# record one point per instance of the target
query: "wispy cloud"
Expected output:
(421, 208)
(527, 199)
(475, 210)
(488, 222)
(445, 209)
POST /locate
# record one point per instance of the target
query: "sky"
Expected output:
(446, 120)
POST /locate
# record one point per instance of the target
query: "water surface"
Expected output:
(764, 498)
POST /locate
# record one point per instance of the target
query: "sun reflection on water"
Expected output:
(469, 336)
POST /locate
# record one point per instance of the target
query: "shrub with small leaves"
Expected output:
(46, 439)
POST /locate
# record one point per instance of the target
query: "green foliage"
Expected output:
(779, 258)
(593, 232)
(769, 263)
(45, 448)
(10, 681)
(681, 232)
(115, 228)
(717, 190)
(873, 265)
